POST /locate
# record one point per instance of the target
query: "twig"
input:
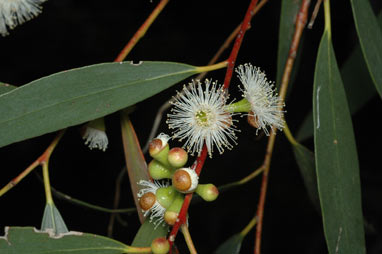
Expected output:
(66, 197)
(187, 237)
(117, 196)
(242, 181)
(214, 59)
(141, 31)
(300, 24)
(40, 160)
(236, 46)
(250, 225)
(203, 155)
(314, 14)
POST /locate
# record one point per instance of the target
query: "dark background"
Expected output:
(70, 34)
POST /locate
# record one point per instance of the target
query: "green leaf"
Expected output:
(53, 221)
(370, 38)
(148, 232)
(27, 240)
(73, 97)
(231, 246)
(358, 87)
(336, 157)
(4, 88)
(135, 161)
(306, 164)
(288, 16)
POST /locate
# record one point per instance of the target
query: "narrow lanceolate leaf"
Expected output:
(358, 85)
(53, 221)
(135, 161)
(27, 240)
(148, 232)
(5, 88)
(370, 38)
(306, 164)
(288, 15)
(231, 246)
(73, 97)
(336, 157)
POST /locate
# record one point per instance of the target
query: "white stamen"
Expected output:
(157, 210)
(95, 138)
(199, 117)
(16, 12)
(266, 106)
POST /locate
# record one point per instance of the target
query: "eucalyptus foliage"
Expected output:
(318, 194)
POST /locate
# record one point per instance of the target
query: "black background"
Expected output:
(70, 34)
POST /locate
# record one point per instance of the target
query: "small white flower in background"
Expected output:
(157, 210)
(266, 106)
(95, 135)
(199, 117)
(16, 12)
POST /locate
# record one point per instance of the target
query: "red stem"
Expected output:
(203, 155)
(239, 39)
(300, 25)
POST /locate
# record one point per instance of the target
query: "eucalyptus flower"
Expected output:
(199, 117)
(264, 106)
(154, 198)
(16, 12)
(95, 135)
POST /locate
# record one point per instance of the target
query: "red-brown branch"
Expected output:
(141, 31)
(300, 24)
(202, 157)
(239, 39)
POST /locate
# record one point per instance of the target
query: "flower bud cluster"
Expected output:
(161, 199)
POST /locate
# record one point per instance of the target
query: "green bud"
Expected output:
(165, 196)
(159, 148)
(160, 245)
(172, 212)
(208, 192)
(159, 171)
(177, 157)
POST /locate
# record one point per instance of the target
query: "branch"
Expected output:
(44, 157)
(300, 24)
(141, 31)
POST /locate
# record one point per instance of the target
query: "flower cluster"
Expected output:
(162, 200)
(201, 115)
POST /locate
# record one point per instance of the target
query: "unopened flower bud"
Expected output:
(172, 212)
(165, 196)
(160, 246)
(159, 148)
(177, 157)
(185, 180)
(158, 171)
(147, 201)
(208, 192)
